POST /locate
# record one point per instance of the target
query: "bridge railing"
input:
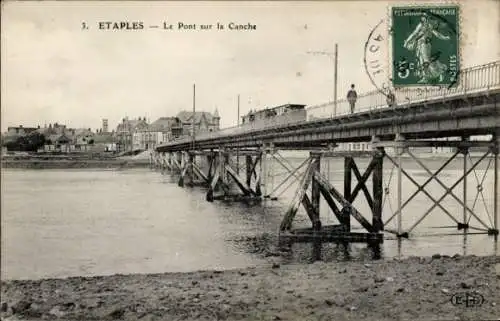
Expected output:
(471, 80)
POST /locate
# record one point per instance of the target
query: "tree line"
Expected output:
(29, 143)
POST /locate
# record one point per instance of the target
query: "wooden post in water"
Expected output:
(191, 160)
(465, 153)
(249, 168)
(495, 184)
(315, 193)
(263, 170)
(210, 159)
(346, 215)
(378, 192)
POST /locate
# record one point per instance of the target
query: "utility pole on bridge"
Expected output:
(237, 149)
(194, 114)
(335, 73)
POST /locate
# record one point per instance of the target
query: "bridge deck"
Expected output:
(471, 109)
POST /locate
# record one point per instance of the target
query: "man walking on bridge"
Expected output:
(352, 96)
(391, 99)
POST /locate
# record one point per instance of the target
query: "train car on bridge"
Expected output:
(283, 114)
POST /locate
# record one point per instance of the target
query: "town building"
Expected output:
(20, 130)
(104, 142)
(203, 122)
(162, 130)
(125, 131)
(58, 143)
(13, 133)
(83, 139)
(104, 125)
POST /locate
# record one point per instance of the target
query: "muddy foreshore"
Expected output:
(409, 289)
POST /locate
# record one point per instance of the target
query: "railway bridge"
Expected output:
(431, 117)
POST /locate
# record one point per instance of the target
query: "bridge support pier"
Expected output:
(341, 205)
(164, 163)
(263, 171)
(400, 150)
(472, 218)
(184, 170)
(465, 152)
(495, 149)
(176, 160)
(170, 163)
(224, 174)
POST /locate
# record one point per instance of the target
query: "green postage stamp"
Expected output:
(425, 46)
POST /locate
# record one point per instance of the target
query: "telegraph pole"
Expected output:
(335, 67)
(194, 113)
(336, 58)
(237, 149)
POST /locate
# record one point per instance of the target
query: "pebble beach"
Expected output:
(415, 288)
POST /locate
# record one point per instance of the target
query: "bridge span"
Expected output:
(419, 118)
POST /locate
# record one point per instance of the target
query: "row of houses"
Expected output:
(136, 134)
(59, 137)
(130, 134)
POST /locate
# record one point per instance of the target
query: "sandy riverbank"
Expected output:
(411, 289)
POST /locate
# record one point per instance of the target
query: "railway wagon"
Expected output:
(279, 115)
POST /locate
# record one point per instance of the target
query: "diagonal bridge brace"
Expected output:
(176, 163)
(421, 188)
(344, 202)
(241, 184)
(450, 191)
(292, 173)
(361, 185)
(200, 173)
(462, 203)
(286, 224)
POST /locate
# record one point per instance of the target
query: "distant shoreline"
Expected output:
(73, 163)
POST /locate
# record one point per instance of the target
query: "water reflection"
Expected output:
(342, 251)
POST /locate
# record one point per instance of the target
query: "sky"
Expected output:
(55, 71)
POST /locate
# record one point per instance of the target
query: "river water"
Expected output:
(60, 223)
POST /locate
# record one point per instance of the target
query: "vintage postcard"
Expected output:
(250, 160)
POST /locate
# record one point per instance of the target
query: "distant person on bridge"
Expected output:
(352, 96)
(391, 99)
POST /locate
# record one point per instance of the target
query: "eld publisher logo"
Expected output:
(467, 299)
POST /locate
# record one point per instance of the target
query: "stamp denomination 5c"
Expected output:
(425, 45)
